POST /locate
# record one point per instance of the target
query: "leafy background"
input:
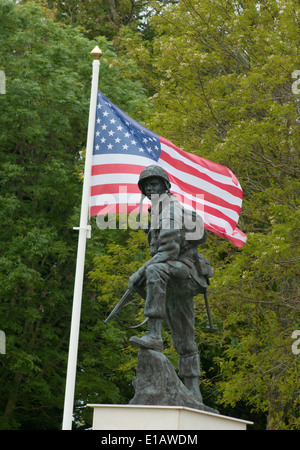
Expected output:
(216, 79)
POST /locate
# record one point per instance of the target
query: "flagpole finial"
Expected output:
(96, 53)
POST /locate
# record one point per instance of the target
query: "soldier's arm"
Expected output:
(168, 250)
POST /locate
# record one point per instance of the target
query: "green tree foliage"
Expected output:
(99, 17)
(220, 78)
(43, 127)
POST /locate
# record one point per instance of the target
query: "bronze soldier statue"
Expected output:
(175, 273)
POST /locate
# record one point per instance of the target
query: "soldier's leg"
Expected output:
(157, 278)
(181, 318)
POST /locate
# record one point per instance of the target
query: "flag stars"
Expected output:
(115, 133)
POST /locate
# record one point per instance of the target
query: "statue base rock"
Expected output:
(157, 383)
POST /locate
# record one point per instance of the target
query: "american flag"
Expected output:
(123, 148)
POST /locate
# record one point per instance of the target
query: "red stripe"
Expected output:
(114, 189)
(103, 169)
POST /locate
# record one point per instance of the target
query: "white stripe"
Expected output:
(114, 178)
(119, 158)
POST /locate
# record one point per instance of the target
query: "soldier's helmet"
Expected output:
(153, 171)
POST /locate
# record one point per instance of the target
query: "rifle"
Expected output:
(210, 327)
(125, 300)
(204, 269)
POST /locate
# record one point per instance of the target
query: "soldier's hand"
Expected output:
(134, 279)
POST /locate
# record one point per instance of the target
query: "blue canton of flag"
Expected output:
(116, 132)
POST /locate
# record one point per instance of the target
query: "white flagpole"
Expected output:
(84, 233)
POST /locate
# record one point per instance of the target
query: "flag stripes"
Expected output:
(123, 148)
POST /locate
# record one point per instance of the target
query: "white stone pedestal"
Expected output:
(146, 417)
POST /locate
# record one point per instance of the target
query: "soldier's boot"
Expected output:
(192, 384)
(152, 339)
